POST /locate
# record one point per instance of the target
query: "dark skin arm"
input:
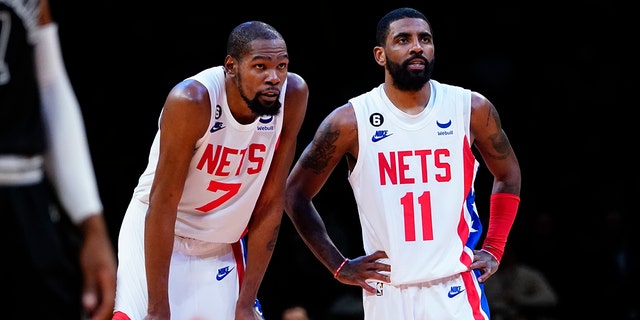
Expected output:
(185, 118)
(267, 215)
(336, 138)
(493, 145)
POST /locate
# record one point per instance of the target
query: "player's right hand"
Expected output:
(357, 271)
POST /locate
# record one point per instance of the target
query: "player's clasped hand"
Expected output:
(363, 268)
(486, 263)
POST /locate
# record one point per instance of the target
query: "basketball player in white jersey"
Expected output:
(408, 145)
(215, 178)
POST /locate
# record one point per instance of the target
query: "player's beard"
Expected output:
(259, 108)
(410, 80)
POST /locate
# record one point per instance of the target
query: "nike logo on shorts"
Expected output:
(454, 291)
(223, 272)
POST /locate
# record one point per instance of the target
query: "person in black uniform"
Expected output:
(59, 259)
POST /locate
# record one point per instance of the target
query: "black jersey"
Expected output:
(21, 125)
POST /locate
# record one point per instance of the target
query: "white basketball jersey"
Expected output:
(413, 182)
(227, 171)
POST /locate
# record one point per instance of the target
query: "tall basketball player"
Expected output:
(408, 146)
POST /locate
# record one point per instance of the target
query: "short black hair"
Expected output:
(244, 33)
(382, 30)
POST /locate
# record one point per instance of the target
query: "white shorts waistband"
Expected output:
(195, 247)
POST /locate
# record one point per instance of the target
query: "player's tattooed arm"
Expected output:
(321, 149)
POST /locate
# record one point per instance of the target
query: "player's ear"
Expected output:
(378, 54)
(230, 65)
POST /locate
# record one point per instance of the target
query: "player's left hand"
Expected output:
(484, 262)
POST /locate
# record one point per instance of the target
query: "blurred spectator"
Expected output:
(548, 248)
(543, 246)
(520, 292)
(347, 306)
(295, 313)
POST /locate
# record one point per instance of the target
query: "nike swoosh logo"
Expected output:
(453, 294)
(217, 126)
(223, 272)
(379, 136)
